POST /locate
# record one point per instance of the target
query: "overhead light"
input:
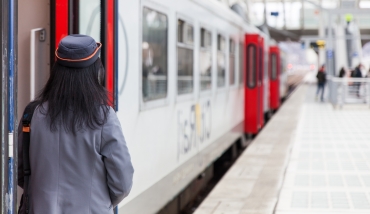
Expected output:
(329, 4)
(364, 4)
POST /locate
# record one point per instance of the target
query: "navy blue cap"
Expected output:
(77, 51)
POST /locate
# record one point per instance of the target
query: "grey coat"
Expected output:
(90, 172)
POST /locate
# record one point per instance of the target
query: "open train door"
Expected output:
(95, 18)
(274, 70)
(43, 23)
(252, 107)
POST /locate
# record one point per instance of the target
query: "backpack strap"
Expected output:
(26, 129)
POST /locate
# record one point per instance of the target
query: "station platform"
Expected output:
(310, 158)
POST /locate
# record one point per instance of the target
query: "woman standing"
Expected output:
(78, 156)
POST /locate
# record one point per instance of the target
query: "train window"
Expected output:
(190, 34)
(221, 61)
(206, 38)
(273, 67)
(154, 55)
(251, 66)
(185, 59)
(241, 63)
(205, 60)
(89, 17)
(282, 64)
(180, 31)
(232, 62)
(261, 67)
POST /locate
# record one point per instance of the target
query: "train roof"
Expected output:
(227, 13)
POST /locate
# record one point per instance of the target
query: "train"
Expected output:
(188, 79)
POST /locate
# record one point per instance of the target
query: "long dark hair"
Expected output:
(75, 97)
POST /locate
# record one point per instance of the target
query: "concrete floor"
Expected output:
(310, 158)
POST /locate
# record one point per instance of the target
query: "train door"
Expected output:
(95, 18)
(261, 87)
(251, 108)
(274, 68)
(41, 26)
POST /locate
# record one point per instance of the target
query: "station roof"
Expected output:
(329, 4)
(303, 17)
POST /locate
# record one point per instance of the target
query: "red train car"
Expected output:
(274, 70)
(253, 88)
(261, 61)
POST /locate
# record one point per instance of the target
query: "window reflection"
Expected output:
(221, 62)
(232, 63)
(185, 58)
(241, 63)
(251, 65)
(205, 60)
(273, 67)
(89, 18)
(154, 55)
(261, 66)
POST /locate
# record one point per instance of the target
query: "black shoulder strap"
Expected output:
(26, 128)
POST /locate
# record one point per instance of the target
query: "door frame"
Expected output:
(62, 19)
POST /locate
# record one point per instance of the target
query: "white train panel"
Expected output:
(164, 135)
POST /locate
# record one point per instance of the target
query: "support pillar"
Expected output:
(4, 143)
(321, 35)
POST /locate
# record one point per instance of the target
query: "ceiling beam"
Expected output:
(340, 11)
(315, 38)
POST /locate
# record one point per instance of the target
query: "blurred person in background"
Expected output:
(368, 74)
(342, 72)
(321, 80)
(357, 74)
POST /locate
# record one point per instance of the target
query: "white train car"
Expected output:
(178, 83)
(266, 80)
(178, 135)
(283, 87)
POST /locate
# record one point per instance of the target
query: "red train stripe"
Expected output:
(110, 50)
(61, 20)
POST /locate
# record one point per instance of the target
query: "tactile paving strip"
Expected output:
(329, 168)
